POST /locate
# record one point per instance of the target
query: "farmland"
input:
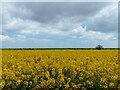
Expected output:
(59, 69)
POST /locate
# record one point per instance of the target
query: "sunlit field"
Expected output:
(59, 69)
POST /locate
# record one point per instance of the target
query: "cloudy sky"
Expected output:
(59, 24)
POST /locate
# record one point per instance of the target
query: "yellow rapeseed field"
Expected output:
(59, 69)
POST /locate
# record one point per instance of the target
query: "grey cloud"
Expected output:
(104, 25)
(49, 11)
(119, 22)
(55, 18)
(106, 20)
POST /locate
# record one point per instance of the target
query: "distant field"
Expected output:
(59, 69)
(58, 49)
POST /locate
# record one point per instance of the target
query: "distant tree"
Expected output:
(99, 47)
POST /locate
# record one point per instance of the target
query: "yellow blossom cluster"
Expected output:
(59, 69)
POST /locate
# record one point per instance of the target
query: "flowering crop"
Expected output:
(59, 69)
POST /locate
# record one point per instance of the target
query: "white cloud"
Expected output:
(106, 12)
(28, 27)
(97, 35)
(91, 35)
(18, 25)
(14, 10)
(21, 37)
(12, 16)
(5, 38)
(16, 20)
(0, 18)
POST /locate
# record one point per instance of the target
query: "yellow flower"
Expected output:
(105, 86)
(56, 88)
(47, 75)
(103, 80)
(66, 86)
(3, 83)
(18, 81)
(89, 82)
(30, 82)
(53, 72)
(81, 78)
(111, 84)
(115, 77)
(43, 83)
(60, 71)
(53, 81)
(26, 83)
(64, 68)
(69, 79)
(61, 79)
(75, 86)
(79, 85)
